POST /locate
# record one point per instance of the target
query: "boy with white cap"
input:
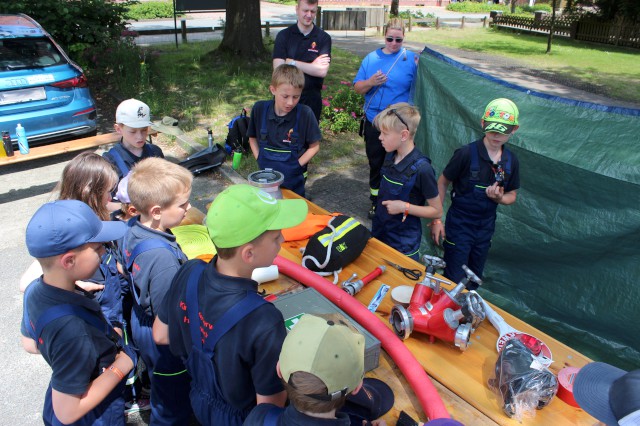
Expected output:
(213, 317)
(133, 119)
(484, 174)
(65, 324)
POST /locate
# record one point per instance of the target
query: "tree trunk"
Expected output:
(243, 31)
(395, 5)
(513, 6)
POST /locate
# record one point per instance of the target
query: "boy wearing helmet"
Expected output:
(483, 174)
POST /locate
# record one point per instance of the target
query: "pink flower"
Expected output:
(325, 102)
(353, 114)
(346, 83)
(324, 87)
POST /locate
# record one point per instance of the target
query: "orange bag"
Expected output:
(312, 224)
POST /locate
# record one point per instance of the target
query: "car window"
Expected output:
(24, 53)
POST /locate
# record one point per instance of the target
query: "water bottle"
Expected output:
(210, 137)
(23, 144)
(237, 157)
(6, 144)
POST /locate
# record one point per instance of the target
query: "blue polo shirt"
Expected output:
(291, 43)
(76, 351)
(399, 82)
(458, 170)
(245, 357)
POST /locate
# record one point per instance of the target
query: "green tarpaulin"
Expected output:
(566, 256)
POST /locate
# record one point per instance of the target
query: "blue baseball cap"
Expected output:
(608, 393)
(64, 225)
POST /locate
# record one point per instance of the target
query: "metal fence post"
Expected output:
(183, 30)
(462, 23)
(267, 29)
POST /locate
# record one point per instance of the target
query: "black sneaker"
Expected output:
(372, 211)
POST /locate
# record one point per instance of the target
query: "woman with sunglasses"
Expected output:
(385, 77)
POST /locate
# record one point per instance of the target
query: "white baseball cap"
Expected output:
(133, 113)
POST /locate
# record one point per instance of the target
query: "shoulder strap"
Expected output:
(31, 329)
(116, 154)
(60, 311)
(474, 150)
(416, 166)
(146, 245)
(192, 302)
(507, 163)
(264, 133)
(274, 413)
(294, 134)
(229, 319)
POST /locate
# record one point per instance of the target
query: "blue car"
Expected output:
(40, 87)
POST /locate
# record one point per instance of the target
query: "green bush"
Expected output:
(483, 7)
(150, 10)
(531, 9)
(119, 65)
(74, 24)
(341, 109)
(476, 7)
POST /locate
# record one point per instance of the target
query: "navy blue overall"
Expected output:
(110, 298)
(111, 410)
(207, 401)
(282, 159)
(390, 229)
(471, 221)
(117, 152)
(169, 379)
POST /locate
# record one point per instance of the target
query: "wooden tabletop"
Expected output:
(463, 374)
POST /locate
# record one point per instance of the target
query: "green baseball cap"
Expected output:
(241, 213)
(329, 349)
(500, 116)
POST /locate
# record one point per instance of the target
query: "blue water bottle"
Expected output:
(23, 144)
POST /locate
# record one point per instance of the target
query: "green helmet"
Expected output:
(500, 116)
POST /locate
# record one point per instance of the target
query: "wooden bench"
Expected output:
(61, 148)
(64, 147)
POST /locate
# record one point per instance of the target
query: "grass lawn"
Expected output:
(617, 70)
(203, 90)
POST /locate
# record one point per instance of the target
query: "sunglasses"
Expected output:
(396, 39)
(394, 112)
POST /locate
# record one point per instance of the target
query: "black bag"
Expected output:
(237, 138)
(335, 246)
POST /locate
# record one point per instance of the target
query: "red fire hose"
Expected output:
(411, 369)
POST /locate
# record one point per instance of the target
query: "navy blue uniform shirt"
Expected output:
(245, 357)
(458, 170)
(75, 350)
(426, 186)
(152, 270)
(291, 43)
(279, 128)
(293, 417)
(130, 159)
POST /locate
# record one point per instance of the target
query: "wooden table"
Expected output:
(462, 376)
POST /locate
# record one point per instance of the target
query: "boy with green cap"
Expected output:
(484, 174)
(213, 317)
